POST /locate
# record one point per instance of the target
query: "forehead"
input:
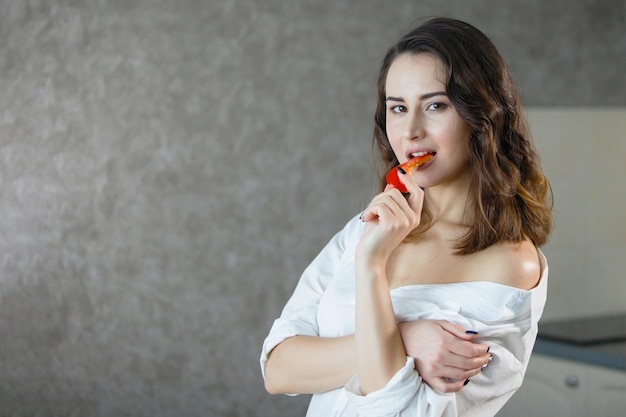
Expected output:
(416, 70)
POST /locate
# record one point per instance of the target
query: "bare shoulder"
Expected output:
(511, 263)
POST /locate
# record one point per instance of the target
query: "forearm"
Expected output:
(379, 349)
(310, 364)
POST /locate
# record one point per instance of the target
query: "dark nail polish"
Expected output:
(470, 332)
(402, 171)
(466, 382)
(488, 348)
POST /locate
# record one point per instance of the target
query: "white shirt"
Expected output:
(505, 318)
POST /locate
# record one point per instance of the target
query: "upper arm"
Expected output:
(299, 315)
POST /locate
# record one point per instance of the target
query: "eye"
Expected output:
(436, 106)
(397, 109)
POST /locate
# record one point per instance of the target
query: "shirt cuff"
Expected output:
(389, 400)
(283, 329)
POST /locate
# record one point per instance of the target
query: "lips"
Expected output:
(408, 168)
(418, 158)
(418, 153)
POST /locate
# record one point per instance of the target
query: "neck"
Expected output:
(448, 204)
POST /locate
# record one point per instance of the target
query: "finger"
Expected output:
(452, 380)
(465, 340)
(372, 211)
(401, 208)
(445, 385)
(469, 349)
(453, 362)
(388, 204)
(375, 211)
(463, 354)
(416, 193)
(378, 198)
(457, 374)
(457, 330)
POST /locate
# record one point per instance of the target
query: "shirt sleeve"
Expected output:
(404, 395)
(299, 316)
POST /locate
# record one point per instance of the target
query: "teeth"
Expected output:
(415, 154)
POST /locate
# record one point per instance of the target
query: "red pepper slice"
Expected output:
(409, 167)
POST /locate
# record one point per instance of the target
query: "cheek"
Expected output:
(389, 129)
(457, 135)
(393, 137)
(461, 146)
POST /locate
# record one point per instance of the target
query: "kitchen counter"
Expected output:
(611, 355)
(597, 341)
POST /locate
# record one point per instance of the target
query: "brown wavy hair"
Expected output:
(510, 197)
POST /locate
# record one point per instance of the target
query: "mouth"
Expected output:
(418, 154)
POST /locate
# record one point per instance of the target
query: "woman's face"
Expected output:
(421, 119)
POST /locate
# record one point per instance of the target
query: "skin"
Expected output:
(419, 118)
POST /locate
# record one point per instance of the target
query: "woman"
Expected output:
(427, 303)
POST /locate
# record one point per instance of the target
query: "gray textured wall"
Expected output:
(168, 168)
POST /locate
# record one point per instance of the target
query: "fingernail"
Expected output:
(482, 368)
(466, 382)
(488, 348)
(470, 332)
(402, 171)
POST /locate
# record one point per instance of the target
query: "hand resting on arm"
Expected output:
(445, 356)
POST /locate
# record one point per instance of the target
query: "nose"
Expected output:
(414, 126)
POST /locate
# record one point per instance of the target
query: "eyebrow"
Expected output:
(422, 97)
